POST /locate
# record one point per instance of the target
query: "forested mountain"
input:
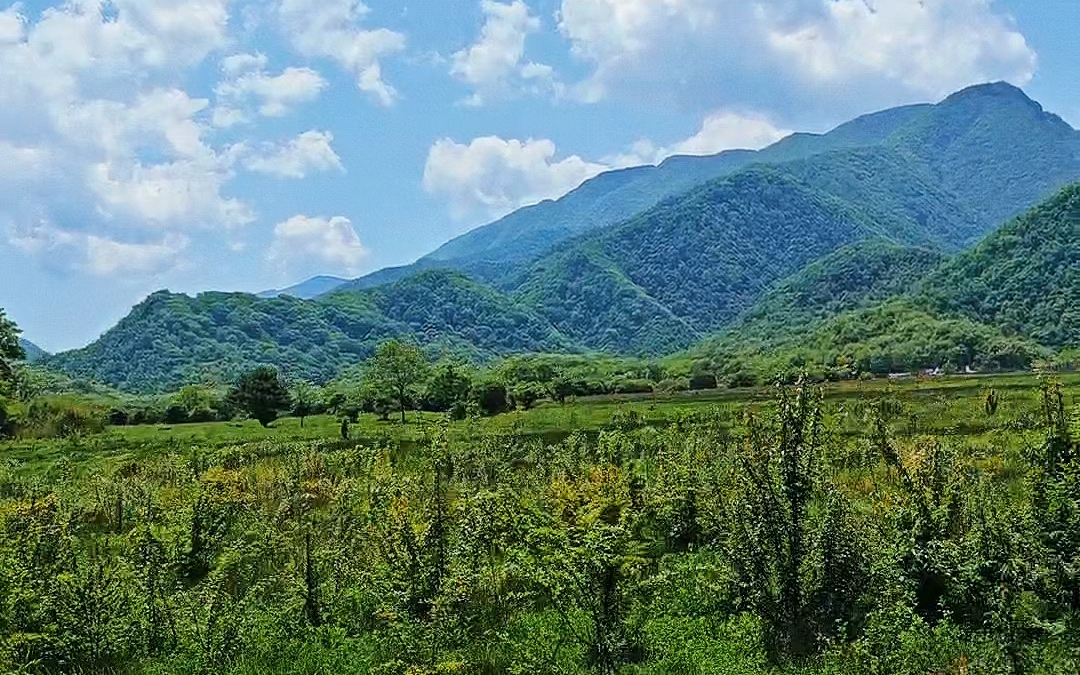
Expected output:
(853, 277)
(33, 352)
(688, 266)
(958, 169)
(1024, 278)
(809, 243)
(880, 307)
(171, 339)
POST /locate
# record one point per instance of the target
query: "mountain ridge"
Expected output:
(669, 276)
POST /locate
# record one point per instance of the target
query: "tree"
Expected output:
(449, 385)
(262, 394)
(397, 368)
(10, 349)
(305, 399)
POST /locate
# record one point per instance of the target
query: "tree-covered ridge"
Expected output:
(897, 336)
(690, 265)
(169, 339)
(588, 298)
(956, 170)
(854, 276)
(449, 308)
(1024, 278)
(994, 149)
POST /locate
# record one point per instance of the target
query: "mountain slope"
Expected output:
(695, 263)
(169, 339)
(994, 148)
(33, 352)
(988, 151)
(1025, 277)
(852, 277)
(879, 307)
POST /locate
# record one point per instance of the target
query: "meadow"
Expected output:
(909, 526)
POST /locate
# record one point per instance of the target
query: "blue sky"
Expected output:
(231, 145)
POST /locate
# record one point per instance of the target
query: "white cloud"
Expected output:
(95, 254)
(493, 64)
(720, 131)
(310, 151)
(331, 29)
(709, 51)
(246, 78)
(931, 46)
(105, 257)
(186, 193)
(97, 140)
(492, 176)
(314, 243)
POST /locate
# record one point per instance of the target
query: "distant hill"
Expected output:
(306, 290)
(688, 266)
(171, 339)
(33, 352)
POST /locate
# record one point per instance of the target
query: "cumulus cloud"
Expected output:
(310, 151)
(95, 254)
(710, 51)
(246, 78)
(314, 243)
(720, 131)
(491, 176)
(331, 29)
(493, 64)
(96, 140)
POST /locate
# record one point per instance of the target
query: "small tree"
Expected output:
(305, 400)
(397, 368)
(262, 394)
(10, 349)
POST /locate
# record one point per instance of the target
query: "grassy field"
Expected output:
(632, 535)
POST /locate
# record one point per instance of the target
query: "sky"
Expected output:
(197, 145)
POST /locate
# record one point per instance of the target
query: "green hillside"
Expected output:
(835, 224)
(956, 170)
(879, 307)
(1024, 278)
(171, 339)
(853, 277)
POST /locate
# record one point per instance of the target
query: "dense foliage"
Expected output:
(11, 349)
(903, 533)
(1024, 278)
(261, 394)
(170, 340)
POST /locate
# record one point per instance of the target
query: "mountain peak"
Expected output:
(995, 91)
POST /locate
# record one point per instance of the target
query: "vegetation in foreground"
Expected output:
(897, 530)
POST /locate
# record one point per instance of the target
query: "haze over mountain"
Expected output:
(651, 260)
(33, 352)
(305, 290)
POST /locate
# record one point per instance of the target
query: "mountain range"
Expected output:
(731, 252)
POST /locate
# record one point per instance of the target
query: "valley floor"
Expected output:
(939, 527)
